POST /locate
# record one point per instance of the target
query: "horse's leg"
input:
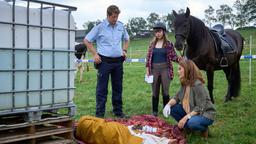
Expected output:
(210, 76)
(81, 69)
(235, 80)
(228, 72)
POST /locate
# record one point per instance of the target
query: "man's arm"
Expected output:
(126, 42)
(89, 45)
(126, 45)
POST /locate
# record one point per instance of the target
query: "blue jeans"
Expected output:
(196, 122)
(115, 70)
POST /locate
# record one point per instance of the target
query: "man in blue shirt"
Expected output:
(112, 41)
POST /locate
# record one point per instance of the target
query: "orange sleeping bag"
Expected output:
(92, 130)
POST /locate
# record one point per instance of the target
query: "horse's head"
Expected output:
(181, 28)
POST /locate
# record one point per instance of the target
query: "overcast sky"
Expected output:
(92, 10)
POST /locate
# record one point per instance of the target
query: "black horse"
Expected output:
(199, 45)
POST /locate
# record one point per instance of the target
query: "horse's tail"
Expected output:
(236, 80)
(236, 71)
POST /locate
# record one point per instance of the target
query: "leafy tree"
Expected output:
(250, 8)
(181, 11)
(241, 18)
(128, 28)
(164, 20)
(224, 14)
(232, 21)
(89, 25)
(152, 19)
(169, 19)
(209, 16)
(136, 24)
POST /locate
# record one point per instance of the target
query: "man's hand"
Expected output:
(125, 54)
(97, 59)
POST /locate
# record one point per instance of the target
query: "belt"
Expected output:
(111, 59)
(160, 65)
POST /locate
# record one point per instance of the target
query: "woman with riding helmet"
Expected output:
(159, 59)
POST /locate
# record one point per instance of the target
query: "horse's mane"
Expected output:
(197, 28)
(198, 34)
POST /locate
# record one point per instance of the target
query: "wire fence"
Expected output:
(139, 51)
(136, 52)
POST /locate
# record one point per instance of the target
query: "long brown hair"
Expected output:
(191, 72)
(154, 41)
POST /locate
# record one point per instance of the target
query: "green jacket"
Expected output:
(199, 100)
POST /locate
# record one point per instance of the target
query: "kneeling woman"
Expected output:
(191, 107)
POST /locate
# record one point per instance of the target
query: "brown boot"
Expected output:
(186, 132)
(205, 134)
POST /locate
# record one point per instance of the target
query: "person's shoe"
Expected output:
(186, 132)
(155, 114)
(99, 115)
(205, 134)
(122, 115)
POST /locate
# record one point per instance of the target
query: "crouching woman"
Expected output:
(191, 107)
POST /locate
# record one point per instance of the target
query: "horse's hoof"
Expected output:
(212, 100)
(227, 99)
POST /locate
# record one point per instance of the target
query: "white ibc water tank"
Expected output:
(5, 16)
(36, 65)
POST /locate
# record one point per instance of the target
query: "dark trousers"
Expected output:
(115, 70)
(161, 79)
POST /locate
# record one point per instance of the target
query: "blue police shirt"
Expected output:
(108, 38)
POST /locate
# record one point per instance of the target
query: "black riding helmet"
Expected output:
(160, 25)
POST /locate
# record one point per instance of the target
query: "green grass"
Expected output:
(235, 121)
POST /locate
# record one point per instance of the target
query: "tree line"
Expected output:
(241, 14)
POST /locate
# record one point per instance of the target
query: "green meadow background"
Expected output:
(235, 122)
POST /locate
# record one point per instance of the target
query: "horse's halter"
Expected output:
(180, 34)
(185, 42)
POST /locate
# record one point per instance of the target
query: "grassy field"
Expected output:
(235, 121)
